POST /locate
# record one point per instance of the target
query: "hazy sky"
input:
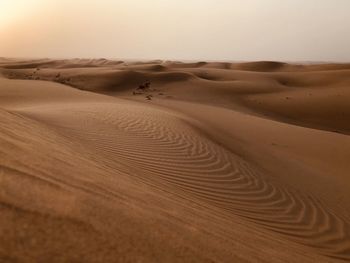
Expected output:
(292, 30)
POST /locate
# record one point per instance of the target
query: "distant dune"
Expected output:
(161, 161)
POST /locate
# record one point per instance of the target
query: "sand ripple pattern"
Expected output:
(162, 149)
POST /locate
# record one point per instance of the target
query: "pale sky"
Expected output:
(285, 30)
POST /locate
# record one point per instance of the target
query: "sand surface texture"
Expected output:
(164, 161)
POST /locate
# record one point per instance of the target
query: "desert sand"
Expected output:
(210, 162)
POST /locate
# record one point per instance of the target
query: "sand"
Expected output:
(214, 162)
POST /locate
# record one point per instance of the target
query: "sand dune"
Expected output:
(215, 162)
(314, 96)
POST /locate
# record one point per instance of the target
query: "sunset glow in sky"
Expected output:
(290, 30)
